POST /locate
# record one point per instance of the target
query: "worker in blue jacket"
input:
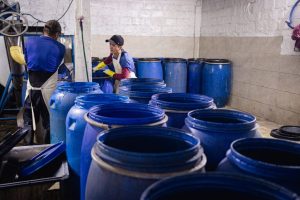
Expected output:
(43, 55)
(119, 64)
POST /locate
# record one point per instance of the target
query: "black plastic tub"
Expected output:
(37, 185)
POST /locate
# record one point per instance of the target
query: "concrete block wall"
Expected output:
(47, 10)
(266, 71)
(151, 28)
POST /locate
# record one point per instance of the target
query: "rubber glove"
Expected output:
(17, 54)
(109, 72)
(99, 66)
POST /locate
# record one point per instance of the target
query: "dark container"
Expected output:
(217, 128)
(149, 68)
(216, 186)
(127, 160)
(216, 80)
(175, 74)
(271, 159)
(34, 187)
(177, 105)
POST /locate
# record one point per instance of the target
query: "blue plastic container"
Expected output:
(106, 83)
(142, 81)
(217, 128)
(127, 160)
(177, 105)
(75, 125)
(216, 186)
(110, 116)
(175, 74)
(60, 103)
(216, 80)
(149, 68)
(194, 84)
(274, 160)
(143, 93)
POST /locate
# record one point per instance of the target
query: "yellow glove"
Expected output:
(109, 72)
(17, 55)
(99, 66)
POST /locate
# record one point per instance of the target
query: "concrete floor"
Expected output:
(265, 127)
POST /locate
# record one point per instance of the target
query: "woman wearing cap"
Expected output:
(43, 56)
(119, 64)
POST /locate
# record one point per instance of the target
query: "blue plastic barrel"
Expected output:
(143, 93)
(194, 83)
(75, 125)
(217, 128)
(110, 116)
(61, 101)
(216, 80)
(177, 105)
(106, 83)
(274, 160)
(142, 81)
(216, 186)
(149, 68)
(127, 160)
(175, 74)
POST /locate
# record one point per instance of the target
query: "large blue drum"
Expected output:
(142, 93)
(61, 101)
(149, 68)
(142, 81)
(175, 74)
(216, 80)
(274, 160)
(127, 160)
(177, 105)
(110, 116)
(217, 128)
(75, 125)
(194, 84)
(216, 186)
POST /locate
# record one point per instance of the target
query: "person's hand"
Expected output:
(17, 54)
(99, 66)
(109, 72)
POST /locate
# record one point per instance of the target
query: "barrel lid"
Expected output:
(217, 61)
(12, 139)
(287, 132)
(43, 158)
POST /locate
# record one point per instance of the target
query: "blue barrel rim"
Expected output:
(175, 183)
(129, 81)
(155, 114)
(143, 91)
(262, 167)
(193, 101)
(93, 99)
(217, 61)
(187, 157)
(148, 60)
(174, 60)
(78, 86)
(248, 124)
(196, 60)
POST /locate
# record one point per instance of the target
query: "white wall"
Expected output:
(266, 70)
(164, 28)
(248, 18)
(47, 10)
(151, 28)
(143, 17)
